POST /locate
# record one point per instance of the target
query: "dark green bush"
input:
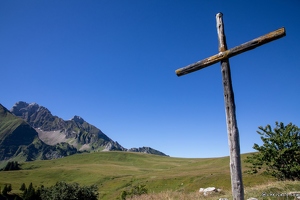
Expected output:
(280, 152)
(65, 191)
(134, 191)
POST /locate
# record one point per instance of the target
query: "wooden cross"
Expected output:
(232, 129)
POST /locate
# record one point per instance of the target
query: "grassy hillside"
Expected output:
(114, 172)
(8, 122)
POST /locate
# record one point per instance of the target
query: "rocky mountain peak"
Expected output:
(32, 113)
(24, 110)
(21, 107)
(16, 109)
(78, 119)
(76, 131)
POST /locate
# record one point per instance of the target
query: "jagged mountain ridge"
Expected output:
(52, 129)
(19, 139)
(76, 132)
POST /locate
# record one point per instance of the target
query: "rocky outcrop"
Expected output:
(113, 146)
(148, 150)
(37, 116)
(78, 119)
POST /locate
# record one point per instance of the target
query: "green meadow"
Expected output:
(114, 172)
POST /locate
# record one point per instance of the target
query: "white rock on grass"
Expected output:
(209, 190)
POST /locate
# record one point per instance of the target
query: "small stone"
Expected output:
(210, 189)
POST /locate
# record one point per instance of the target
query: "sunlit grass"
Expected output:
(115, 172)
(269, 191)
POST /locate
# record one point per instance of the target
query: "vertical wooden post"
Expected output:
(232, 129)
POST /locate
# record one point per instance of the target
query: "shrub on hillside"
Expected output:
(23, 187)
(134, 191)
(72, 191)
(280, 152)
(7, 188)
(30, 193)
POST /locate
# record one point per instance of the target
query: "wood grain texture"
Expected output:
(232, 128)
(225, 54)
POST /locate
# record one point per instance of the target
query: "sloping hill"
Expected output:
(115, 172)
(14, 133)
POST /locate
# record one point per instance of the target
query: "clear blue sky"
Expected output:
(113, 63)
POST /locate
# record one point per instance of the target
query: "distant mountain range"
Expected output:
(30, 132)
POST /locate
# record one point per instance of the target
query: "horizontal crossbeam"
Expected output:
(232, 52)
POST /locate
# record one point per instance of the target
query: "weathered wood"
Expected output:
(279, 33)
(232, 129)
(223, 57)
